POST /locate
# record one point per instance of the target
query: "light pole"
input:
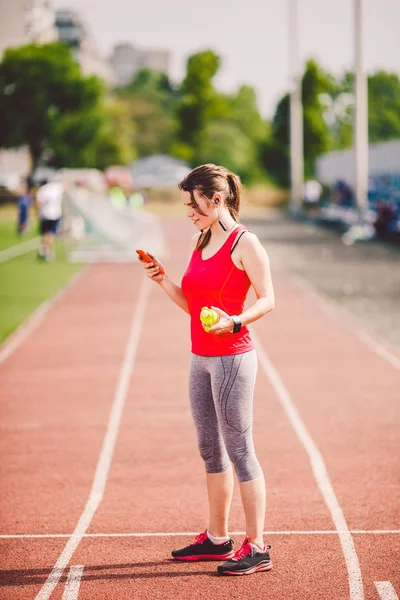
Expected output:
(360, 116)
(296, 113)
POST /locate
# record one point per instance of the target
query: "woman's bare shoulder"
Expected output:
(249, 240)
(249, 244)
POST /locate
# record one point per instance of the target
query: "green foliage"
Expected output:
(199, 101)
(154, 126)
(49, 105)
(41, 85)
(316, 136)
(245, 114)
(275, 149)
(73, 139)
(151, 99)
(328, 106)
(116, 143)
(153, 86)
(194, 122)
(99, 138)
(383, 109)
(316, 132)
(220, 128)
(384, 106)
(223, 143)
(182, 151)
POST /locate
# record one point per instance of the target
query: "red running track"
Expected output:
(112, 356)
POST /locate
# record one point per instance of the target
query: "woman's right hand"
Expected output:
(153, 270)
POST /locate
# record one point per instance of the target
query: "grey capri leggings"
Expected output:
(221, 398)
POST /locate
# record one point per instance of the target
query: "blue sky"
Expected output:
(252, 38)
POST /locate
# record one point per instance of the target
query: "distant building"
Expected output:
(127, 60)
(72, 31)
(23, 22)
(26, 21)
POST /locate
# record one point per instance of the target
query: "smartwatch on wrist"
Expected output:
(237, 324)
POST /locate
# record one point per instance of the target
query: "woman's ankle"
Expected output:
(212, 534)
(259, 543)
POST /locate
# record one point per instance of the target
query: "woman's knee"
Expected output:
(215, 459)
(245, 463)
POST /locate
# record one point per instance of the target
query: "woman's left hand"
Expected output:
(224, 323)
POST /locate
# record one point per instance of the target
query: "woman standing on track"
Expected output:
(226, 260)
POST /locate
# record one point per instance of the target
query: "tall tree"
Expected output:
(316, 132)
(100, 138)
(243, 130)
(275, 148)
(151, 99)
(246, 115)
(199, 100)
(223, 143)
(383, 109)
(40, 85)
(276, 152)
(383, 106)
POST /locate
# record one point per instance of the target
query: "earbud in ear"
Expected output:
(216, 201)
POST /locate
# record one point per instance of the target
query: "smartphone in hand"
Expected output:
(148, 258)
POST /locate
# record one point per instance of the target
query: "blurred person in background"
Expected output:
(386, 218)
(136, 200)
(312, 191)
(226, 260)
(342, 194)
(49, 199)
(117, 197)
(24, 204)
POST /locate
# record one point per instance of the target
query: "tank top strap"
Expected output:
(239, 231)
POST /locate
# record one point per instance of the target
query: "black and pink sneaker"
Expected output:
(204, 549)
(247, 560)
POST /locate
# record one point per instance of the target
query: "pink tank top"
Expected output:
(218, 282)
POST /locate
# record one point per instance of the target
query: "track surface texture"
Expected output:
(100, 472)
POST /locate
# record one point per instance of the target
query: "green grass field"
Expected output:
(8, 228)
(25, 282)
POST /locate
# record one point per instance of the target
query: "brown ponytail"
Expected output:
(233, 200)
(207, 180)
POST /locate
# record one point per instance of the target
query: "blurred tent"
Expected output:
(99, 232)
(158, 171)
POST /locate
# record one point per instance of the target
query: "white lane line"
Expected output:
(28, 326)
(34, 536)
(379, 348)
(107, 449)
(337, 312)
(73, 583)
(386, 590)
(320, 473)
(376, 531)
(19, 249)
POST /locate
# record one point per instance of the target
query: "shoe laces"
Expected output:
(244, 550)
(200, 538)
